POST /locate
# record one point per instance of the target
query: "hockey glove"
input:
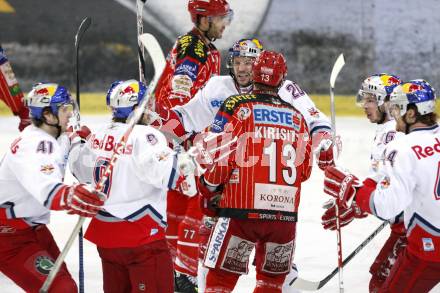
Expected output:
(209, 197)
(24, 119)
(341, 185)
(167, 120)
(78, 136)
(81, 200)
(346, 215)
(324, 150)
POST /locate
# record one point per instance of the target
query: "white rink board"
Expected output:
(315, 252)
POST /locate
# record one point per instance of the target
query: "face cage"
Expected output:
(227, 18)
(360, 97)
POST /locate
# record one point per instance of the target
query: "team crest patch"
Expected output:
(151, 138)
(278, 257)
(237, 255)
(313, 112)
(162, 156)
(44, 264)
(384, 183)
(47, 169)
(428, 244)
(7, 230)
(244, 113)
(235, 176)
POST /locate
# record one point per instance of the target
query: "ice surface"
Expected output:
(315, 252)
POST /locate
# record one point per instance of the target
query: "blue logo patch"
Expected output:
(273, 116)
(216, 103)
(219, 123)
(187, 68)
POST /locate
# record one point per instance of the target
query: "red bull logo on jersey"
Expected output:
(47, 169)
(275, 116)
(426, 151)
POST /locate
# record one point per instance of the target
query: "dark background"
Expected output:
(399, 37)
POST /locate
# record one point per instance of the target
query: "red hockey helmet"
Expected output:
(208, 8)
(270, 68)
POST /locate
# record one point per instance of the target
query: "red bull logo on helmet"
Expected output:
(389, 80)
(46, 91)
(131, 89)
(411, 87)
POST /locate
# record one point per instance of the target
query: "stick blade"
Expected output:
(340, 62)
(85, 24)
(305, 285)
(150, 43)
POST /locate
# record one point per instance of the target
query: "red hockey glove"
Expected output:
(324, 150)
(209, 199)
(346, 215)
(167, 120)
(82, 200)
(340, 185)
(24, 119)
(80, 135)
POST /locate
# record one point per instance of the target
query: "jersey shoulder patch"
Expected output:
(231, 103)
(191, 46)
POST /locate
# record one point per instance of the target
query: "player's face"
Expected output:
(369, 104)
(218, 25)
(400, 121)
(64, 113)
(242, 67)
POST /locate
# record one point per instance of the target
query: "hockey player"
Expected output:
(130, 233)
(199, 112)
(256, 209)
(10, 92)
(194, 58)
(373, 97)
(31, 180)
(409, 184)
(191, 63)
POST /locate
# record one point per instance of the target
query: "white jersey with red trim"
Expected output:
(31, 173)
(141, 174)
(412, 185)
(385, 133)
(200, 111)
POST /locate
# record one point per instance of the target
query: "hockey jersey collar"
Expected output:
(435, 126)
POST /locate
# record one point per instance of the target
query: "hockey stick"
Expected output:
(340, 62)
(132, 121)
(307, 285)
(85, 24)
(150, 43)
(140, 31)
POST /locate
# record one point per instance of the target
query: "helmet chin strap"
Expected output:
(57, 126)
(383, 117)
(407, 125)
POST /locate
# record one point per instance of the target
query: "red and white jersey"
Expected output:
(137, 187)
(199, 113)
(412, 185)
(190, 64)
(262, 179)
(385, 133)
(31, 173)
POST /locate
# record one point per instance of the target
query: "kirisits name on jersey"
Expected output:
(285, 122)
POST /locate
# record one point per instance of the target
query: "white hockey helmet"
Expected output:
(47, 95)
(378, 85)
(418, 92)
(124, 95)
(246, 48)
